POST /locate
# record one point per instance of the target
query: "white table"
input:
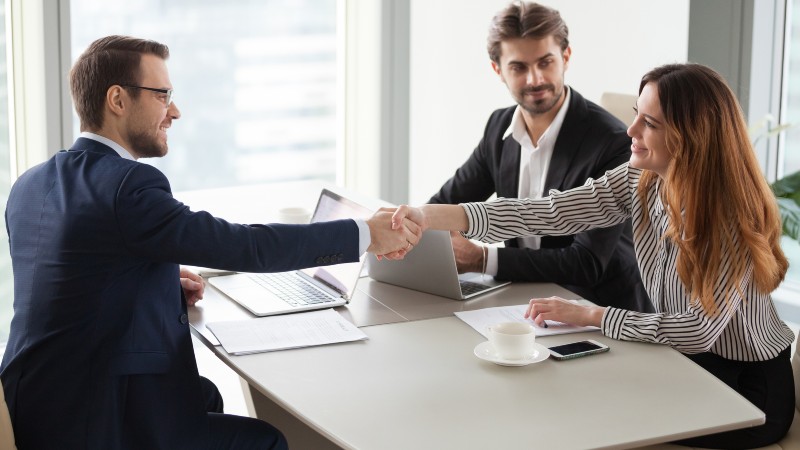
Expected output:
(417, 384)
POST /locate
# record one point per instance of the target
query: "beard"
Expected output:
(540, 106)
(146, 145)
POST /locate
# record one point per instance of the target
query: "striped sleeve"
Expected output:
(598, 203)
(613, 321)
(732, 333)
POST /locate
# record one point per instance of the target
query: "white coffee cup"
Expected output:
(293, 215)
(512, 340)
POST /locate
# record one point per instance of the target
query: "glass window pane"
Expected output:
(6, 276)
(790, 161)
(255, 82)
(791, 144)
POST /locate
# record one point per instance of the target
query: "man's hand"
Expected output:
(388, 240)
(469, 256)
(193, 286)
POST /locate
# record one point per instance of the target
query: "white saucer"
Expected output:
(485, 351)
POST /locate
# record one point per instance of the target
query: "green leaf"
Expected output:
(787, 186)
(790, 216)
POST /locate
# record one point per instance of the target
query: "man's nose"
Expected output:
(173, 111)
(534, 77)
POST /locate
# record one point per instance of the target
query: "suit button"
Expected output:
(319, 260)
(184, 319)
(326, 259)
(340, 257)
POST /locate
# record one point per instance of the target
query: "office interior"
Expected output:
(405, 87)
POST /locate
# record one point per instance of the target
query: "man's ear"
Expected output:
(117, 100)
(496, 68)
(566, 55)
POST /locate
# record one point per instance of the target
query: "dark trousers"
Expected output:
(227, 431)
(769, 385)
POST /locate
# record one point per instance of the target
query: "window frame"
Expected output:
(374, 97)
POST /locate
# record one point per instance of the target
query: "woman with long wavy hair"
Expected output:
(706, 232)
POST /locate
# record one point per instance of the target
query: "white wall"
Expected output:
(453, 89)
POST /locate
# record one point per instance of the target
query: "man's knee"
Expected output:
(212, 398)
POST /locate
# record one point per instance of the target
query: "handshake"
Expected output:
(395, 231)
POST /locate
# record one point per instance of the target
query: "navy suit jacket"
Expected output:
(599, 265)
(99, 354)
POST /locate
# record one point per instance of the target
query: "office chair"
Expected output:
(619, 105)
(6, 430)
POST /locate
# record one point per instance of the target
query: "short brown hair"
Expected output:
(526, 20)
(109, 61)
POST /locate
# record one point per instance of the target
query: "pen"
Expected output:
(544, 323)
(209, 273)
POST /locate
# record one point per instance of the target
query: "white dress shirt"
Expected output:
(534, 161)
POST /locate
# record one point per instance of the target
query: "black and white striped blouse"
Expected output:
(749, 331)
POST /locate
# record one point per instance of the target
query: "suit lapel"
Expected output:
(508, 182)
(567, 142)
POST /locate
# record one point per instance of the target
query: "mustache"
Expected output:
(540, 88)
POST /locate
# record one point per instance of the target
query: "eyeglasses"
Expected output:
(167, 92)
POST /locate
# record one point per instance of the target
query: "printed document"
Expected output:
(479, 319)
(265, 334)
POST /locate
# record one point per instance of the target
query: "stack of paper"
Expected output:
(479, 319)
(265, 334)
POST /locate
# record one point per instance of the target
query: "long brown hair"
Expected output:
(107, 61)
(722, 212)
(525, 20)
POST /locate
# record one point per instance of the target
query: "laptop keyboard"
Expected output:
(290, 288)
(469, 288)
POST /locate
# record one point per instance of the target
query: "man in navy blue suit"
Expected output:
(99, 355)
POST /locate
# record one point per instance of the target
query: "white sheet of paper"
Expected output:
(265, 334)
(479, 319)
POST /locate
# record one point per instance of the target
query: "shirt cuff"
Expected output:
(478, 220)
(491, 261)
(364, 236)
(612, 322)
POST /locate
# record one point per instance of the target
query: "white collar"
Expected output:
(104, 140)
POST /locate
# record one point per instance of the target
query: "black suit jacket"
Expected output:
(99, 354)
(600, 265)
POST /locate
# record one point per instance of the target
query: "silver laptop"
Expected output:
(266, 294)
(431, 267)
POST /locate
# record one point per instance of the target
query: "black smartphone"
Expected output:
(577, 349)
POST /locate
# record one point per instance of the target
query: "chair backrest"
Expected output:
(6, 430)
(619, 105)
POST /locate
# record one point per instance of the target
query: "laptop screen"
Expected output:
(340, 277)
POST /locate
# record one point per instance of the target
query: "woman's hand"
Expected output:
(411, 213)
(560, 310)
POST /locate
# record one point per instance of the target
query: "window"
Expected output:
(6, 277)
(256, 83)
(790, 152)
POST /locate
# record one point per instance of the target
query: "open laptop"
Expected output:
(266, 294)
(431, 267)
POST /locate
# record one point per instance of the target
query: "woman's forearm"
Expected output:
(445, 217)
